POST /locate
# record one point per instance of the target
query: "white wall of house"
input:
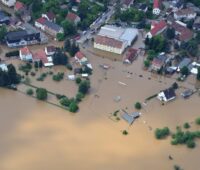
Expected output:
(186, 16)
(9, 3)
(109, 49)
(38, 25)
(27, 57)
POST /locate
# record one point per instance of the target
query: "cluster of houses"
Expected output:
(44, 56)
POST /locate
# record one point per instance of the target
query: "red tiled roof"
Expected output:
(71, 16)
(108, 41)
(41, 20)
(79, 55)
(158, 27)
(184, 34)
(156, 4)
(127, 2)
(40, 55)
(19, 5)
(51, 15)
(131, 54)
(25, 51)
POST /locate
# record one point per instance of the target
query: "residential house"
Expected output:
(177, 4)
(156, 7)
(9, 3)
(130, 118)
(167, 95)
(49, 27)
(72, 17)
(40, 55)
(25, 54)
(187, 14)
(157, 28)
(183, 34)
(196, 24)
(80, 58)
(4, 19)
(50, 50)
(159, 62)
(22, 38)
(184, 63)
(3, 67)
(194, 69)
(50, 16)
(130, 55)
(22, 10)
(143, 7)
(126, 4)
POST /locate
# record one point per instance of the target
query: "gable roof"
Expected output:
(25, 51)
(50, 15)
(108, 41)
(156, 3)
(19, 5)
(169, 93)
(72, 16)
(79, 55)
(158, 27)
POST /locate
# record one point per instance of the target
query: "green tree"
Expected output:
(138, 105)
(170, 33)
(60, 58)
(84, 87)
(198, 74)
(3, 32)
(73, 107)
(41, 93)
(184, 71)
(29, 92)
(197, 121)
(60, 36)
(146, 63)
(162, 133)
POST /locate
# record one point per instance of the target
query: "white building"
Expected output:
(187, 14)
(115, 39)
(167, 95)
(156, 7)
(9, 3)
(3, 67)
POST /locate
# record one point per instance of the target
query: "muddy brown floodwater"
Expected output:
(38, 136)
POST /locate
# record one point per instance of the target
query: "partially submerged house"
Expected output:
(159, 62)
(167, 95)
(3, 67)
(80, 58)
(130, 117)
(184, 63)
(40, 55)
(25, 54)
(130, 55)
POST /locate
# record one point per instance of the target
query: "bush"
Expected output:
(59, 96)
(125, 132)
(78, 80)
(73, 107)
(79, 96)
(190, 144)
(58, 77)
(162, 133)
(29, 92)
(69, 67)
(84, 87)
(138, 105)
(146, 63)
(65, 102)
(186, 125)
(197, 121)
(12, 53)
(41, 93)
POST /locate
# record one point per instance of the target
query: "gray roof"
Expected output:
(53, 26)
(16, 34)
(184, 62)
(3, 16)
(130, 117)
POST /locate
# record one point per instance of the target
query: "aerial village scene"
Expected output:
(100, 84)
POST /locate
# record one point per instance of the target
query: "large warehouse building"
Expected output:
(115, 39)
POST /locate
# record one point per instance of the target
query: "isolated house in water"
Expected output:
(167, 95)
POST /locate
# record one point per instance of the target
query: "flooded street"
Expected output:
(38, 136)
